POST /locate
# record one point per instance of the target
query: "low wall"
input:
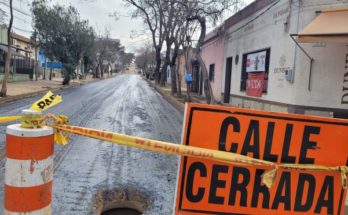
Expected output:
(16, 77)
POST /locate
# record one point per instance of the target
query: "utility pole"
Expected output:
(45, 53)
(36, 66)
(3, 91)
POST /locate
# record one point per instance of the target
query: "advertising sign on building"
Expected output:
(256, 62)
(211, 187)
(255, 84)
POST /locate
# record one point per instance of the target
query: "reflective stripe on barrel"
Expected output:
(28, 170)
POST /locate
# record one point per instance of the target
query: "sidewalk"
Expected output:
(177, 102)
(24, 89)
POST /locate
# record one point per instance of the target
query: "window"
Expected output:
(211, 72)
(246, 67)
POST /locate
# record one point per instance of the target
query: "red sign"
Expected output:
(255, 84)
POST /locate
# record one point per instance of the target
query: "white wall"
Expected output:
(268, 31)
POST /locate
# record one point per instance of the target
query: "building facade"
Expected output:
(213, 57)
(24, 45)
(22, 62)
(265, 69)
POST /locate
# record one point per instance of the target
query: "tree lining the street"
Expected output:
(62, 34)
(169, 22)
(198, 11)
(126, 58)
(152, 13)
(108, 52)
(146, 60)
(105, 51)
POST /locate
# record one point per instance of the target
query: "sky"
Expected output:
(98, 12)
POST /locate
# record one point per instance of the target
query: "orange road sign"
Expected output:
(211, 187)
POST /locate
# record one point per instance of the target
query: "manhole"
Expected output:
(121, 211)
(127, 200)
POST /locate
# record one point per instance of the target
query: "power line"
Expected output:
(20, 29)
(24, 20)
(15, 9)
(17, 17)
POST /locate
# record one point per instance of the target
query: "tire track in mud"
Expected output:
(78, 191)
(64, 150)
(103, 158)
(80, 118)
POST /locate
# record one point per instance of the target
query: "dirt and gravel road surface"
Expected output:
(91, 175)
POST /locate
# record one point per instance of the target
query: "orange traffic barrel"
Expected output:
(28, 170)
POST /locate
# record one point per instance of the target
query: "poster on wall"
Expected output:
(255, 84)
(256, 62)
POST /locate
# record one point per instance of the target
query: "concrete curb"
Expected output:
(61, 87)
(33, 94)
(172, 100)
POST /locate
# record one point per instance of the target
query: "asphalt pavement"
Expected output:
(91, 175)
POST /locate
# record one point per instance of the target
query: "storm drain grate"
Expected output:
(121, 201)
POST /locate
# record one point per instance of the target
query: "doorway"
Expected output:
(228, 75)
(195, 78)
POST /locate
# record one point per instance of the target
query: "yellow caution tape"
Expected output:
(60, 137)
(47, 101)
(37, 121)
(268, 178)
(9, 118)
(63, 131)
(344, 172)
(164, 147)
(32, 120)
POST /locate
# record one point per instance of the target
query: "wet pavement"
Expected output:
(91, 175)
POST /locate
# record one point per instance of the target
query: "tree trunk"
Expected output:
(188, 86)
(173, 77)
(166, 63)
(110, 66)
(188, 93)
(174, 70)
(36, 72)
(207, 86)
(197, 53)
(44, 74)
(3, 92)
(158, 65)
(51, 71)
(178, 79)
(96, 71)
(164, 74)
(68, 70)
